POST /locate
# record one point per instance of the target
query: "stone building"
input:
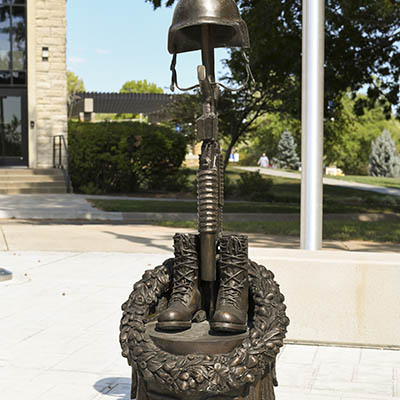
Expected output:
(33, 87)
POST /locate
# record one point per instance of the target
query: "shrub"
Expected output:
(123, 157)
(177, 182)
(384, 160)
(253, 187)
(229, 186)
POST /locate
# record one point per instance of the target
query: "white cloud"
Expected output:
(76, 60)
(102, 51)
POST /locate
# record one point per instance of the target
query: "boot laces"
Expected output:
(184, 280)
(231, 286)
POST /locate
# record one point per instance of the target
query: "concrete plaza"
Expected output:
(59, 318)
(59, 324)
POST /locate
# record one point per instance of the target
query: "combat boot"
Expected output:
(232, 301)
(185, 298)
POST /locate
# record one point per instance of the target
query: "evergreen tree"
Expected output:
(384, 159)
(287, 155)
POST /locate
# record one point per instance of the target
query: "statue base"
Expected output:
(198, 340)
(263, 390)
(197, 364)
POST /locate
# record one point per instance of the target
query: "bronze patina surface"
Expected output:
(197, 340)
(245, 372)
(208, 323)
(189, 17)
(204, 25)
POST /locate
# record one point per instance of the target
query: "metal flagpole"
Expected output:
(312, 123)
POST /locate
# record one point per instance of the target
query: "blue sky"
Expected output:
(111, 42)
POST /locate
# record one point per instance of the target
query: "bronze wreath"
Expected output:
(218, 373)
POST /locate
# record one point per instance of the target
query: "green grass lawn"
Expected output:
(190, 206)
(370, 180)
(383, 231)
(284, 197)
(163, 206)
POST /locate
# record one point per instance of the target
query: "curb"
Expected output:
(270, 217)
(148, 217)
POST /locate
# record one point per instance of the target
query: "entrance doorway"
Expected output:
(13, 127)
(13, 79)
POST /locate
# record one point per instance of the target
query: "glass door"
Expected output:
(13, 128)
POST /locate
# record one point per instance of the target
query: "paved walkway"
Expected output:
(136, 238)
(52, 206)
(326, 181)
(73, 206)
(68, 222)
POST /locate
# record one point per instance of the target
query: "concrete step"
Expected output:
(23, 185)
(5, 182)
(49, 190)
(30, 171)
(31, 178)
(24, 180)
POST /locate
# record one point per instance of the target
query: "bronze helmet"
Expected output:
(229, 29)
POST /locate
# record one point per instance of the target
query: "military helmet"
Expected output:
(228, 28)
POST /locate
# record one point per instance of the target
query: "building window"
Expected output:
(13, 42)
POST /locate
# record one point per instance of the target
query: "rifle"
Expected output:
(210, 174)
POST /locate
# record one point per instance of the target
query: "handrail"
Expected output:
(58, 144)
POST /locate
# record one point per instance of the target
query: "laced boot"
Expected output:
(233, 292)
(185, 298)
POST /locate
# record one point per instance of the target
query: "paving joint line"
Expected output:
(75, 254)
(4, 238)
(394, 382)
(354, 373)
(31, 335)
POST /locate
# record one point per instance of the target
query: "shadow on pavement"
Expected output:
(146, 241)
(117, 388)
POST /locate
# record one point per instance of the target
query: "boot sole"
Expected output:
(227, 327)
(174, 325)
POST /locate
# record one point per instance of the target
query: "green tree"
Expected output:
(140, 87)
(239, 113)
(182, 113)
(286, 156)
(136, 87)
(384, 159)
(74, 85)
(266, 134)
(361, 43)
(348, 136)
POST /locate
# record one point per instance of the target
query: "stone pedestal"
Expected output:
(196, 364)
(261, 390)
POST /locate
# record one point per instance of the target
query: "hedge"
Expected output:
(123, 157)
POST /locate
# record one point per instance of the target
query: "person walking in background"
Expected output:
(263, 161)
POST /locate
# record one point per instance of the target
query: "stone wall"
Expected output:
(338, 297)
(47, 78)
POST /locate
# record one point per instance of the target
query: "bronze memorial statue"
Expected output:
(208, 323)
